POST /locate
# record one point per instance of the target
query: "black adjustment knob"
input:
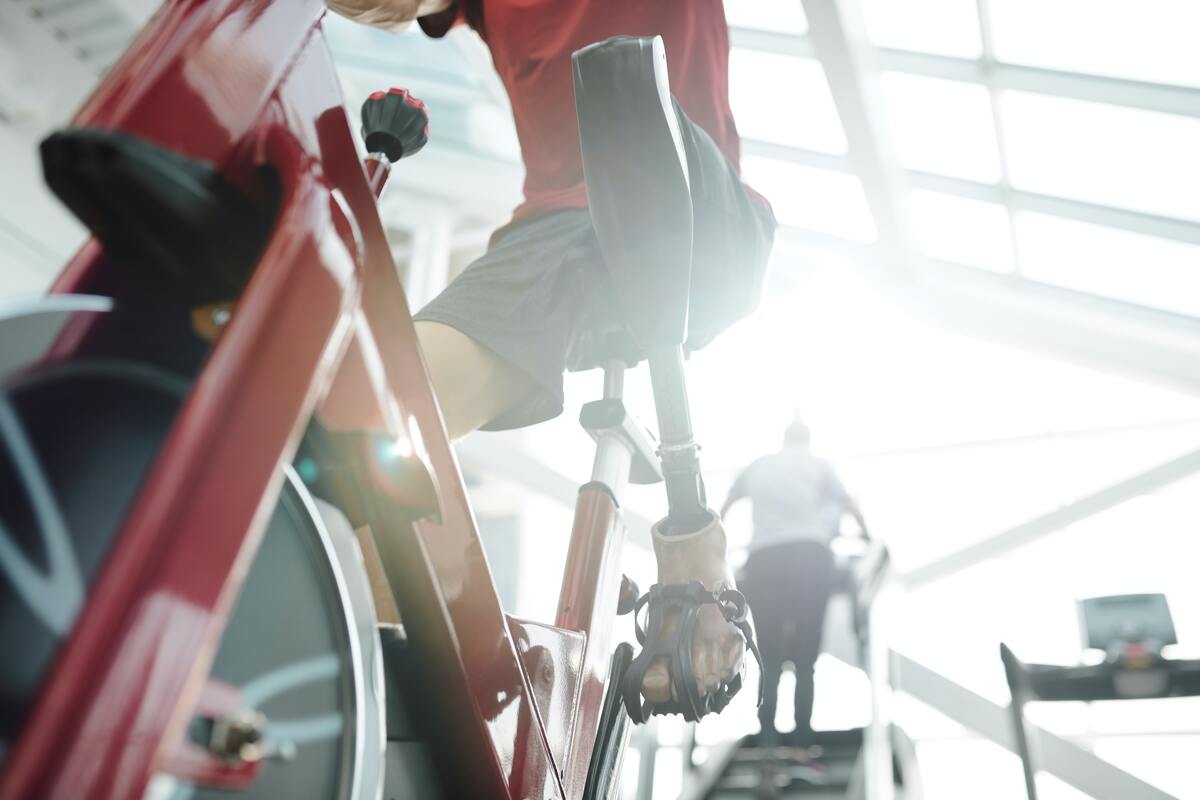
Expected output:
(394, 123)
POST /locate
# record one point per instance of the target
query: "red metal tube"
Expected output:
(588, 602)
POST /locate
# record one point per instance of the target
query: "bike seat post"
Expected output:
(614, 379)
(614, 455)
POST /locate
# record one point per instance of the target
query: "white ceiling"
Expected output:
(958, 154)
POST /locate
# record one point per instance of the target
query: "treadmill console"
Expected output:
(1115, 622)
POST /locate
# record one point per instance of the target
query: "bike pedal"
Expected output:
(628, 597)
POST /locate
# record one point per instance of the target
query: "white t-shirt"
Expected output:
(795, 495)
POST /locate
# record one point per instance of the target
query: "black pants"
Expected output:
(788, 587)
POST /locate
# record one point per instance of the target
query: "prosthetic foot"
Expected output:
(697, 630)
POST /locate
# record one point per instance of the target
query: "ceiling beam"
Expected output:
(1161, 97)
(837, 31)
(1141, 343)
(1173, 228)
(1137, 342)
(1143, 95)
(784, 44)
(1026, 533)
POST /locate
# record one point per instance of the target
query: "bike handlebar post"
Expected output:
(378, 167)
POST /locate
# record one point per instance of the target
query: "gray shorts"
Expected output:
(542, 284)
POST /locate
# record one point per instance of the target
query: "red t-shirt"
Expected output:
(531, 43)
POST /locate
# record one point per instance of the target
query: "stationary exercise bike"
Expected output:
(220, 410)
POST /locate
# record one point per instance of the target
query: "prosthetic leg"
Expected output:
(640, 202)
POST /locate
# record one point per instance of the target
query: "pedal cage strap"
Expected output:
(687, 600)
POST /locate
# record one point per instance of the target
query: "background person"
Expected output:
(798, 505)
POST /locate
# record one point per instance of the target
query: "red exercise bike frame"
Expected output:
(322, 328)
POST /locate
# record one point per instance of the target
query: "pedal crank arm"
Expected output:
(612, 732)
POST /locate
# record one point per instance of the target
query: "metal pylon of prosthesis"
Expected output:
(687, 506)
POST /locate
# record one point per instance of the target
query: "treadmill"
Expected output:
(1132, 630)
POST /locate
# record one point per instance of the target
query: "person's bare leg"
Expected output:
(473, 386)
